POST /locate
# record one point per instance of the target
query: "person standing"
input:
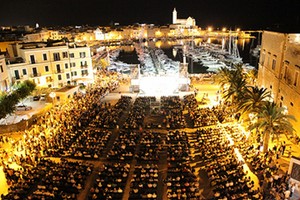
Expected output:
(283, 148)
(293, 187)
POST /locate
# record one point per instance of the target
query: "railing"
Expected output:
(35, 75)
(59, 71)
(17, 78)
(287, 79)
(84, 74)
(84, 66)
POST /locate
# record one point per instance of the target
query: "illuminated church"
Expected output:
(182, 23)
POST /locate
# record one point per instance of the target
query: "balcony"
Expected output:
(17, 78)
(287, 79)
(59, 71)
(35, 75)
(85, 66)
(84, 74)
(49, 80)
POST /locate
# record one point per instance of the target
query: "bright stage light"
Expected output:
(159, 86)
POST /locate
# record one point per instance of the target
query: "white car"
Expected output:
(23, 108)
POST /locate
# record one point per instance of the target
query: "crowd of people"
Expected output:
(86, 128)
(58, 133)
(144, 182)
(224, 169)
(46, 179)
(110, 182)
(150, 147)
(274, 182)
(181, 181)
(172, 110)
(124, 146)
(136, 116)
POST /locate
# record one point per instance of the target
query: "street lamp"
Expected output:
(52, 95)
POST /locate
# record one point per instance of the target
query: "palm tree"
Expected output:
(233, 81)
(236, 88)
(223, 76)
(273, 121)
(253, 100)
(251, 76)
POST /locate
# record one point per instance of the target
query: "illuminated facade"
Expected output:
(183, 23)
(43, 36)
(279, 69)
(4, 75)
(54, 66)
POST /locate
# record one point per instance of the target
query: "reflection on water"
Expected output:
(244, 46)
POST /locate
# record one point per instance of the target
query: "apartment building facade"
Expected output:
(4, 75)
(54, 66)
(279, 71)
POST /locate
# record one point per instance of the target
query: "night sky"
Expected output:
(251, 14)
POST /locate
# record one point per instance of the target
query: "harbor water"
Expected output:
(128, 54)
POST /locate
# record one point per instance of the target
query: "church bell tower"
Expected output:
(174, 16)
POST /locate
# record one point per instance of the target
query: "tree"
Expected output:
(8, 101)
(233, 82)
(272, 121)
(251, 76)
(253, 100)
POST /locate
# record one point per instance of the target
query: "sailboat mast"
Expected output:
(229, 43)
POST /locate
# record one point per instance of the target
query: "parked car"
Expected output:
(36, 97)
(23, 107)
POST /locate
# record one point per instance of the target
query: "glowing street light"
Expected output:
(52, 95)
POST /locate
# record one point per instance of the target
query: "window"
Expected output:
(59, 77)
(45, 56)
(17, 75)
(262, 60)
(71, 55)
(273, 64)
(46, 68)
(65, 54)
(1, 68)
(56, 56)
(67, 75)
(74, 73)
(73, 64)
(66, 66)
(84, 73)
(48, 79)
(268, 59)
(296, 79)
(32, 59)
(24, 71)
(83, 63)
(82, 54)
(34, 72)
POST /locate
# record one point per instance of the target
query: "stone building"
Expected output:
(279, 69)
(4, 75)
(52, 66)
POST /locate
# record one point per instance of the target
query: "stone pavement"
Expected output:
(37, 106)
